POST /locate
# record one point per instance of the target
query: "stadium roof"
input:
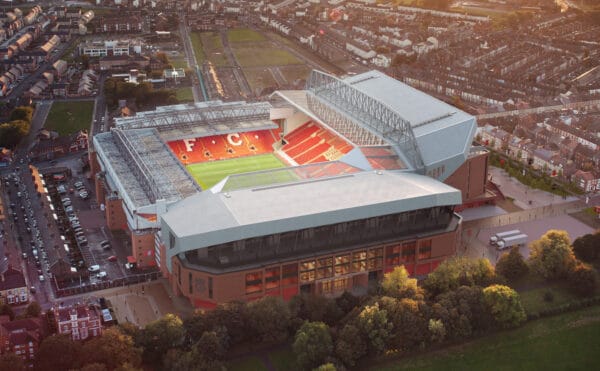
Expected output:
(247, 213)
(143, 167)
(373, 109)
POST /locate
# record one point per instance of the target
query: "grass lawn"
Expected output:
(566, 342)
(239, 35)
(213, 48)
(69, 117)
(184, 94)
(197, 45)
(284, 360)
(533, 300)
(293, 73)
(179, 63)
(259, 78)
(263, 54)
(207, 174)
(246, 364)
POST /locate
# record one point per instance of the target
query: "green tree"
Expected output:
(312, 344)
(587, 247)
(583, 280)
(58, 352)
(399, 285)
(7, 310)
(409, 319)
(33, 309)
(460, 271)
(437, 330)
(326, 367)
(114, 348)
(11, 361)
(94, 367)
(12, 132)
(511, 265)
(233, 316)
(198, 358)
(505, 305)
(315, 308)
(350, 345)
(551, 256)
(24, 113)
(269, 318)
(160, 336)
(375, 327)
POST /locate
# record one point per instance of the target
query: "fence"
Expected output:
(118, 282)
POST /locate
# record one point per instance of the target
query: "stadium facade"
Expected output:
(320, 190)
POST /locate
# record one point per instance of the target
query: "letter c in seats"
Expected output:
(234, 139)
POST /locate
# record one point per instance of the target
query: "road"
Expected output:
(238, 73)
(190, 56)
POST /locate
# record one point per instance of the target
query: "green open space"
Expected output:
(566, 342)
(238, 35)
(197, 45)
(184, 94)
(207, 174)
(259, 78)
(533, 300)
(69, 117)
(213, 48)
(293, 73)
(262, 54)
(246, 364)
(178, 63)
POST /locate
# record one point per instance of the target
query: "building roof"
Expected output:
(231, 216)
(12, 279)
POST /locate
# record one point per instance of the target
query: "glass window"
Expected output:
(289, 272)
(425, 250)
(253, 282)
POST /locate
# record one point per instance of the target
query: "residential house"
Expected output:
(21, 337)
(493, 137)
(78, 321)
(587, 181)
(13, 288)
(56, 147)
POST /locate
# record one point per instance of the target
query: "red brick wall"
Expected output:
(470, 177)
(115, 215)
(142, 247)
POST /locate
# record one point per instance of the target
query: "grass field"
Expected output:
(179, 63)
(240, 35)
(263, 54)
(69, 117)
(566, 342)
(207, 174)
(184, 94)
(259, 78)
(197, 45)
(213, 48)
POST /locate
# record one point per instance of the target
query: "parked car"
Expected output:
(94, 268)
(105, 244)
(101, 275)
(112, 258)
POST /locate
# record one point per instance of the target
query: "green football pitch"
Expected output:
(207, 174)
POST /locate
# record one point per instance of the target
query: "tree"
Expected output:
(511, 265)
(198, 358)
(160, 336)
(347, 302)
(315, 308)
(398, 284)
(505, 305)
(24, 113)
(350, 345)
(7, 310)
(551, 256)
(114, 348)
(587, 247)
(94, 367)
(312, 344)
(11, 361)
(460, 271)
(269, 318)
(47, 355)
(409, 319)
(233, 316)
(326, 367)
(437, 330)
(12, 132)
(33, 309)
(375, 327)
(583, 280)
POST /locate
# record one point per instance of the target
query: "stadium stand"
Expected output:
(223, 147)
(311, 143)
(382, 158)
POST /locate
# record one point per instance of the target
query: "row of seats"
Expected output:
(311, 143)
(224, 146)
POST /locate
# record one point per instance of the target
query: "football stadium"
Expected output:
(320, 190)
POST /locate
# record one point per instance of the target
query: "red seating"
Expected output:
(311, 143)
(225, 146)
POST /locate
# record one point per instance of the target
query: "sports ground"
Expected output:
(207, 174)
